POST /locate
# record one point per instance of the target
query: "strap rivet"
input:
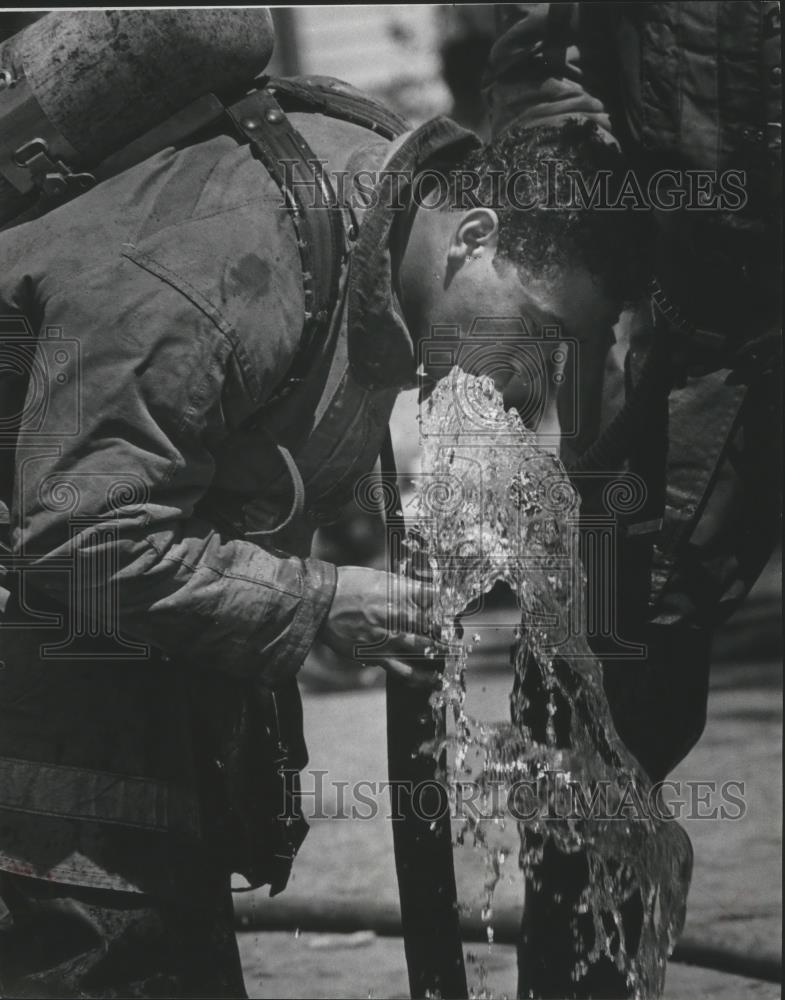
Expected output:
(274, 116)
(251, 123)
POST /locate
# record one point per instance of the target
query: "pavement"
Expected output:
(363, 965)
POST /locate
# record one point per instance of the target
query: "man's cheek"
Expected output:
(535, 391)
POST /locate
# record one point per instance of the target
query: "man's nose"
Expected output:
(534, 388)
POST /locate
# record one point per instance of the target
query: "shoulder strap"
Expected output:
(261, 118)
(311, 201)
(325, 95)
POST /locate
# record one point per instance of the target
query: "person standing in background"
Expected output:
(467, 33)
(687, 90)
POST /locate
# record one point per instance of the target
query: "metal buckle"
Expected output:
(53, 177)
(7, 79)
(688, 340)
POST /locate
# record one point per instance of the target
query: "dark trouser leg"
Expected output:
(553, 937)
(548, 949)
(659, 704)
(70, 941)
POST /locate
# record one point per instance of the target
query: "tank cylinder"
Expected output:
(91, 81)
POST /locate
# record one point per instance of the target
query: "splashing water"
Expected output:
(497, 506)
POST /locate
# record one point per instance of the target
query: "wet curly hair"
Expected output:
(550, 222)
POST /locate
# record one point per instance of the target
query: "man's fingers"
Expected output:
(422, 595)
(421, 611)
(411, 644)
(420, 677)
(413, 620)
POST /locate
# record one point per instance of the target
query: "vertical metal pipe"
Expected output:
(422, 835)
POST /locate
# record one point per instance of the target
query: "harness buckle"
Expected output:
(53, 177)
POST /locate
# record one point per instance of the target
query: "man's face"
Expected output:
(537, 340)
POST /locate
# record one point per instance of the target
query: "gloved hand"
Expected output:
(392, 614)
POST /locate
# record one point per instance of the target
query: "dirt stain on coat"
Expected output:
(247, 278)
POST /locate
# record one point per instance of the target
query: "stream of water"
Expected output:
(493, 505)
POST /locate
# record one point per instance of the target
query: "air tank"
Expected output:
(89, 82)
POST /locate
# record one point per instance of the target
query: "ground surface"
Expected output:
(347, 966)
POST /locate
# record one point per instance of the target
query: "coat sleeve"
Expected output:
(549, 61)
(140, 386)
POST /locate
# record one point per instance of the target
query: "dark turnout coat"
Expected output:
(163, 557)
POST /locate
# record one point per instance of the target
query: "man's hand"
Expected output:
(393, 614)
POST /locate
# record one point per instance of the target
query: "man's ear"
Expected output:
(477, 228)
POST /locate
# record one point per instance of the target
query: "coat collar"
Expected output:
(381, 351)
